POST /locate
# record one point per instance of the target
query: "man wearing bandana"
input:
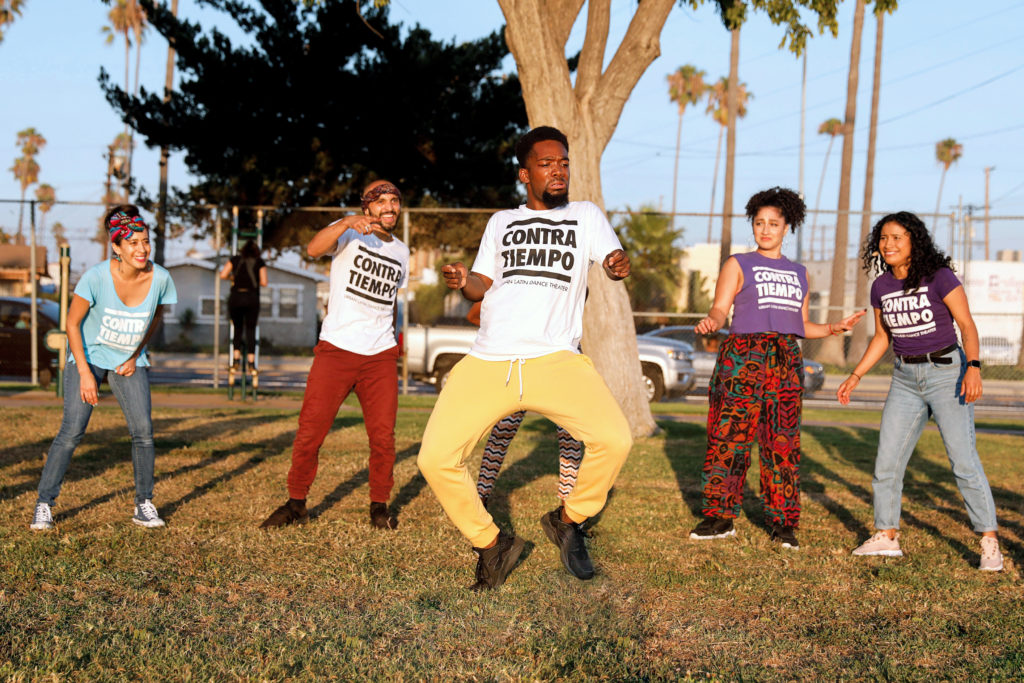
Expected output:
(357, 349)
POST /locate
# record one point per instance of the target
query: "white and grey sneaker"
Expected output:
(991, 558)
(42, 518)
(147, 516)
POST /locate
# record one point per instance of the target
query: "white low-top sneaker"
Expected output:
(880, 544)
(991, 558)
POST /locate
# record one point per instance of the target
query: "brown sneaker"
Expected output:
(380, 517)
(292, 512)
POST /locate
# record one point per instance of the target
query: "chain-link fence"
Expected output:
(674, 276)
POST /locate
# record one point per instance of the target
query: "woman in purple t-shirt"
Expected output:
(757, 388)
(916, 299)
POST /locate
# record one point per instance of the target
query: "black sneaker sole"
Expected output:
(552, 535)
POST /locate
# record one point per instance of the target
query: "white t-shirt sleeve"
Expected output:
(604, 240)
(486, 262)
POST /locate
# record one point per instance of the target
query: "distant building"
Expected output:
(15, 268)
(288, 314)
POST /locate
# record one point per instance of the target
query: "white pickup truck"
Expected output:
(432, 351)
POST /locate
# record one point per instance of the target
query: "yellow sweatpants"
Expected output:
(563, 387)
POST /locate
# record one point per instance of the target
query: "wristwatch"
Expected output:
(974, 364)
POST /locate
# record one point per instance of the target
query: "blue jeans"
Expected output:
(917, 390)
(133, 396)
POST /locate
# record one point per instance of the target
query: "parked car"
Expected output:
(705, 353)
(432, 351)
(997, 351)
(15, 337)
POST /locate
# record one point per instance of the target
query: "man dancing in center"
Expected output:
(357, 350)
(531, 274)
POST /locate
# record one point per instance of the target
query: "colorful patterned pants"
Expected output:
(570, 454)
(756, 392)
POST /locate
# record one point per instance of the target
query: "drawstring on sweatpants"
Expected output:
(508, 377)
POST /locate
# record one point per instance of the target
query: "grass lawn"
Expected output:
(212, 597)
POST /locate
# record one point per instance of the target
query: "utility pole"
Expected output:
(803, 121)
(988, 173)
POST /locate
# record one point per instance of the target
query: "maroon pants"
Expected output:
(335, 373)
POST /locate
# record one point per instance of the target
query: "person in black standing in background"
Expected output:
(248, 272)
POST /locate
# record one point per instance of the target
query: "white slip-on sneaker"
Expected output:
(880, 544)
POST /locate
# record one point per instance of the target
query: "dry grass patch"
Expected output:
(212, 597)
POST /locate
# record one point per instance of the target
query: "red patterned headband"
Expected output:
(375, 193)
(122, 225)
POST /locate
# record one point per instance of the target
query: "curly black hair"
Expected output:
(538, 134)
(785, 200)
(925, 257)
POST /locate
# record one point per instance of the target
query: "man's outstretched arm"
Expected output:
(473, 285)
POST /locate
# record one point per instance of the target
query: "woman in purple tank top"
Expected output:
(916, 298)
(757, 387)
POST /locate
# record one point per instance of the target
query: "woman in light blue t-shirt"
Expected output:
(117, 306)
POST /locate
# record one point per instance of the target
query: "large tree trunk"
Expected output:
(732, 100)
(588, 113)
(831, 350)
(161, 210)
(859, 340)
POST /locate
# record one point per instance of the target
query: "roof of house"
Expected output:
(210, 265)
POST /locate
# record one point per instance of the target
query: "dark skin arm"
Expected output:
(616, 265)
(473, 285)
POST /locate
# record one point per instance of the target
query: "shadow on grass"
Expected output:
(363, 477)
(685, 447)
(118, 449)
(839, 444)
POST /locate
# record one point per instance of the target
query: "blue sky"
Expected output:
(946, 73)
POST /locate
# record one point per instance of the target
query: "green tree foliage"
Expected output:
(698, 298)
(651, 242)
(316, 104)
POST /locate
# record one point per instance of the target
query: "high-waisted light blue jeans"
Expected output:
(133, 396)
(916, 390)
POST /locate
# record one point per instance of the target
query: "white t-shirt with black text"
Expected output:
(366, 274)
(538, 261)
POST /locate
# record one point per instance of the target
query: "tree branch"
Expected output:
(638, 49)
(588, 74)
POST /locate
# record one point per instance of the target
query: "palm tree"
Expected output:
(26, 169)
(833, 128)
(9, 9)
(45, 197)
(717, 107)
(859, 337)
(59, 234)
(161, 212)
(947, 153)
(127, 19)
(685, 86)
(831, 350)
(732, 105)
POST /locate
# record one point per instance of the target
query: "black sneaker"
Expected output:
(569, 539)
(712, 528)
(380, 517)
(781, 533)
(292, 512)
(497, 562)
